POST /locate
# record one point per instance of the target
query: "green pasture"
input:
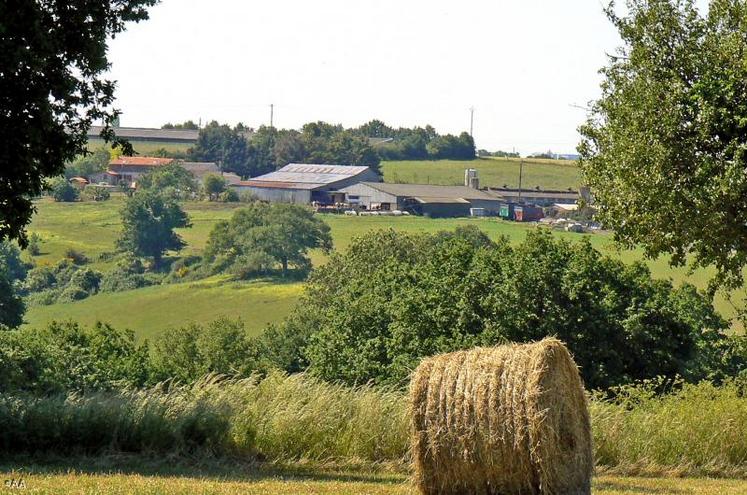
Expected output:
(493, 172)
(145, 147)
(93, 228)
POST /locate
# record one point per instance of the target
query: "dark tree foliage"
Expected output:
(372, 313)
(283, 233)
(12, 272)
(52, 58)
(85, 166)
(172, 178)
(148, 223)
(665, 147)
(229, 147)
(66, 357)
(188, 124)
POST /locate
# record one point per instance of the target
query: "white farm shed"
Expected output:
(304, 183)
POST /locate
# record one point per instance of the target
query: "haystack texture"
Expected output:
(501, 420)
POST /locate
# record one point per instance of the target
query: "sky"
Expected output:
(521, 64)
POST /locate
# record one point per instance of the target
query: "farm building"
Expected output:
(532, 196)
(183, 136)
(306, 183)
(423, 199)
(201, 169)
(127, 169)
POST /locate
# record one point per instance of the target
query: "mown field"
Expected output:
(494, 172)
(93, 228)
(320, 483)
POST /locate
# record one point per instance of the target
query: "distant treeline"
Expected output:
(249, 152)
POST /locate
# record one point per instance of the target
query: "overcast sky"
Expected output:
(520, 63)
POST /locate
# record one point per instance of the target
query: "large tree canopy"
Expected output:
(372, 312)
(52, 57)
(664, 147)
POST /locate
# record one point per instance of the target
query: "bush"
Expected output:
(68, 357)
(251, 265)
(43, 298)
(86, 279)
(64, 282)
(118, 281)
(76, 256)
(186, 354)
(96, 193)
(229, 196)
(63, 191)
(34, 246)
(72, 293)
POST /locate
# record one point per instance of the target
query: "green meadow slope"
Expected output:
(493, 172)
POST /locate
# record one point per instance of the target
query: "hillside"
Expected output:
(493, 172)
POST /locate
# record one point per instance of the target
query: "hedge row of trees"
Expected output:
(254, 153)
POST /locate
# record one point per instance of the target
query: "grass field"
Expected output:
(494, 172)
(151, 310)
(93, 228)
(238, 479)
(145, 147)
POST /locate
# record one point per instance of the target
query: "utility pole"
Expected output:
(272, 112)
(471, 120)
(521, 172)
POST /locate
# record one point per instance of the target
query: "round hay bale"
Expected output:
(502, 420)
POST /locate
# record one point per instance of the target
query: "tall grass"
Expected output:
(700, 429)
(280, 417)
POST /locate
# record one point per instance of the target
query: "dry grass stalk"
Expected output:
(503, 420)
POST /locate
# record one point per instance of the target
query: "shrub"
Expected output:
(34, 246)
(72, 293)
(247, 197)
(127, 274)
(43, 298)
(63, 191)
(186, 354)
(96, 193)
(76, 256)
(213, 185)
(229, 196)
(251, 265)
(68, 357)
(86, 279)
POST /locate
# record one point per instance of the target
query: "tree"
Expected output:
(52, 59)
(172, 177)
(87, 165)
(63, 191)
(228, 147)
(371, 313)
(664, 148)
(284, 232)
(148, 223)
(213, 185)
(187, 124)
(12, 271)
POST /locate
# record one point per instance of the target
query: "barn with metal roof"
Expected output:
(306, 183)
(423, 199)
